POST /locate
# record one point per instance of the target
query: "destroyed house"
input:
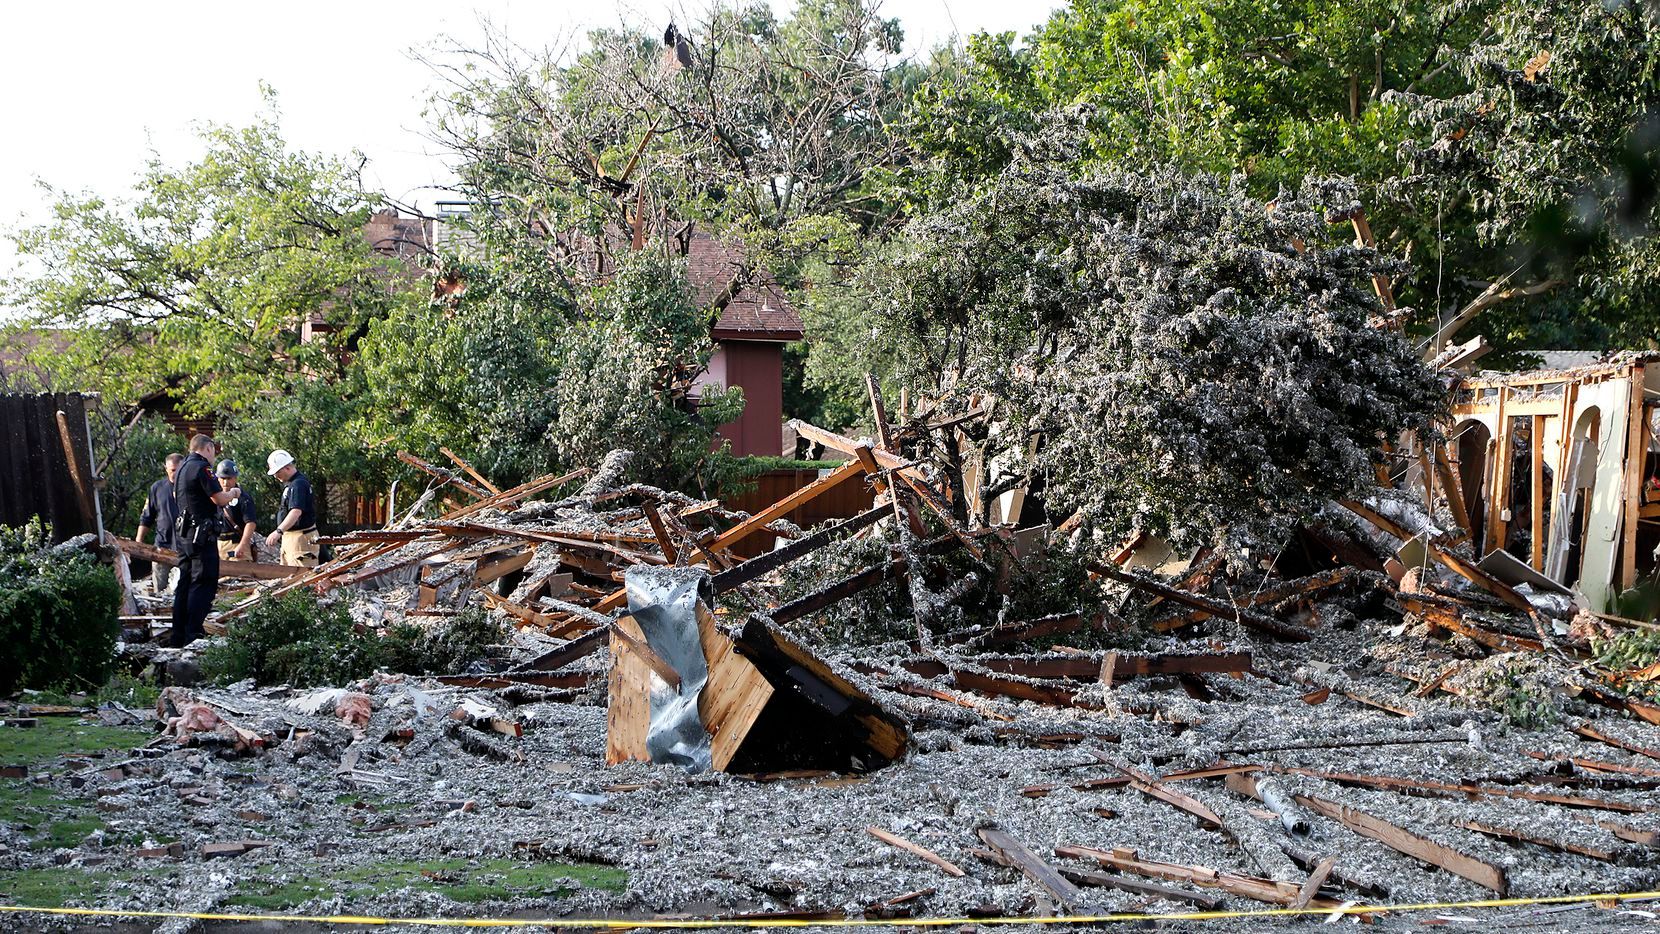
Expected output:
(1560, 469)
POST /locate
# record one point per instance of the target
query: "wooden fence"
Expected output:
(842, 501)
(46, 462)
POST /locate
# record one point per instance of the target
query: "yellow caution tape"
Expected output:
(703, 923)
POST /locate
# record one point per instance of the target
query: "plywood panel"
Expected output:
(732, 698)
(735, 695)
(628, 700)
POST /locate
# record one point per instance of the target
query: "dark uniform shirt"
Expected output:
(237, 517)
(159, 512)
(193, 492)
(297, 495)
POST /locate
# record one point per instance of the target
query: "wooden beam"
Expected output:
(252, 570)
(1153, 788)
(1381, 283)
(1041, 874)
(1636, 457)
(1138, 887)
(893, 839)
(1301, 587)
(447, 476)
(1404, 841)
(846, 445)
(1316, 878)
(778, 557)
(508, 497)
(1536, 533)
(83, 483)
(1396, 838)
(1498, 499)
(1460, 791)
(1215, 607)
(786, 505)
(456, 459)
(1127, 860)
(1458, 565)
(661, 531)
(1453, 491)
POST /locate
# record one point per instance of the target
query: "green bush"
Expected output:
(58, 610)
(294, 639)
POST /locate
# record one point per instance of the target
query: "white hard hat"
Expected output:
(277, 461)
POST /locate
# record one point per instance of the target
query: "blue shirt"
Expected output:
(159, 512)
(238, 516)
(297, 495)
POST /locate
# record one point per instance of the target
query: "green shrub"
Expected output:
(294, 639)
(58, 610)
(449, 647)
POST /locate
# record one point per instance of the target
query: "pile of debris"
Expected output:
(1305, 732)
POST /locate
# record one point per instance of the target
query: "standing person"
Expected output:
(297, 516)
(238, 521)
(197, 495)
(159, 514)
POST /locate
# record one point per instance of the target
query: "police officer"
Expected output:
(198, 496)
(158, 514)
(239, 520)
(297, 516)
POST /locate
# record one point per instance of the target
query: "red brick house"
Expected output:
(749, 342)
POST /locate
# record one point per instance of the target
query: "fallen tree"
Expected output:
(1165, 354)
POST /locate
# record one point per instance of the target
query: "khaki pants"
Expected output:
(227, 550)
(299, 549)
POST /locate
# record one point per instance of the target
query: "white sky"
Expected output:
(90, 89)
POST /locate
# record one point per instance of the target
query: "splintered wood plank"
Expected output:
(1316, 878)
(1624, 832)
(1590, 732)
(1434, 789)
(1521, 836)
(1457, 564)
(1252, 887)
(1244, 616)
(755, 523)
(1050, 694)
(1041, 874)
(628, 700)
(734, 695)
(1138, 887)
(456, 459)
(497, 568)
(771, 651)
(785, 506)
(661, 531)
(1404, 841)
(1119, 781)
(893, 839)
(1302, 587)
(1153, 788)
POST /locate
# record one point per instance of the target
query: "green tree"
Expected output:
(199, 284)
(1500, 147)
(521, 388)
(1162, 357)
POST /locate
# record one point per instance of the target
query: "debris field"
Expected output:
(1370, 717)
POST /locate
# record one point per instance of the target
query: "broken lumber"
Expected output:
(1043, 875)
(1433, 789)
(1138, 887)
(1513, 835)
(1242, 615)
(1302, 587)
(893, 839)
(1128, 860)
(1404, 841)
